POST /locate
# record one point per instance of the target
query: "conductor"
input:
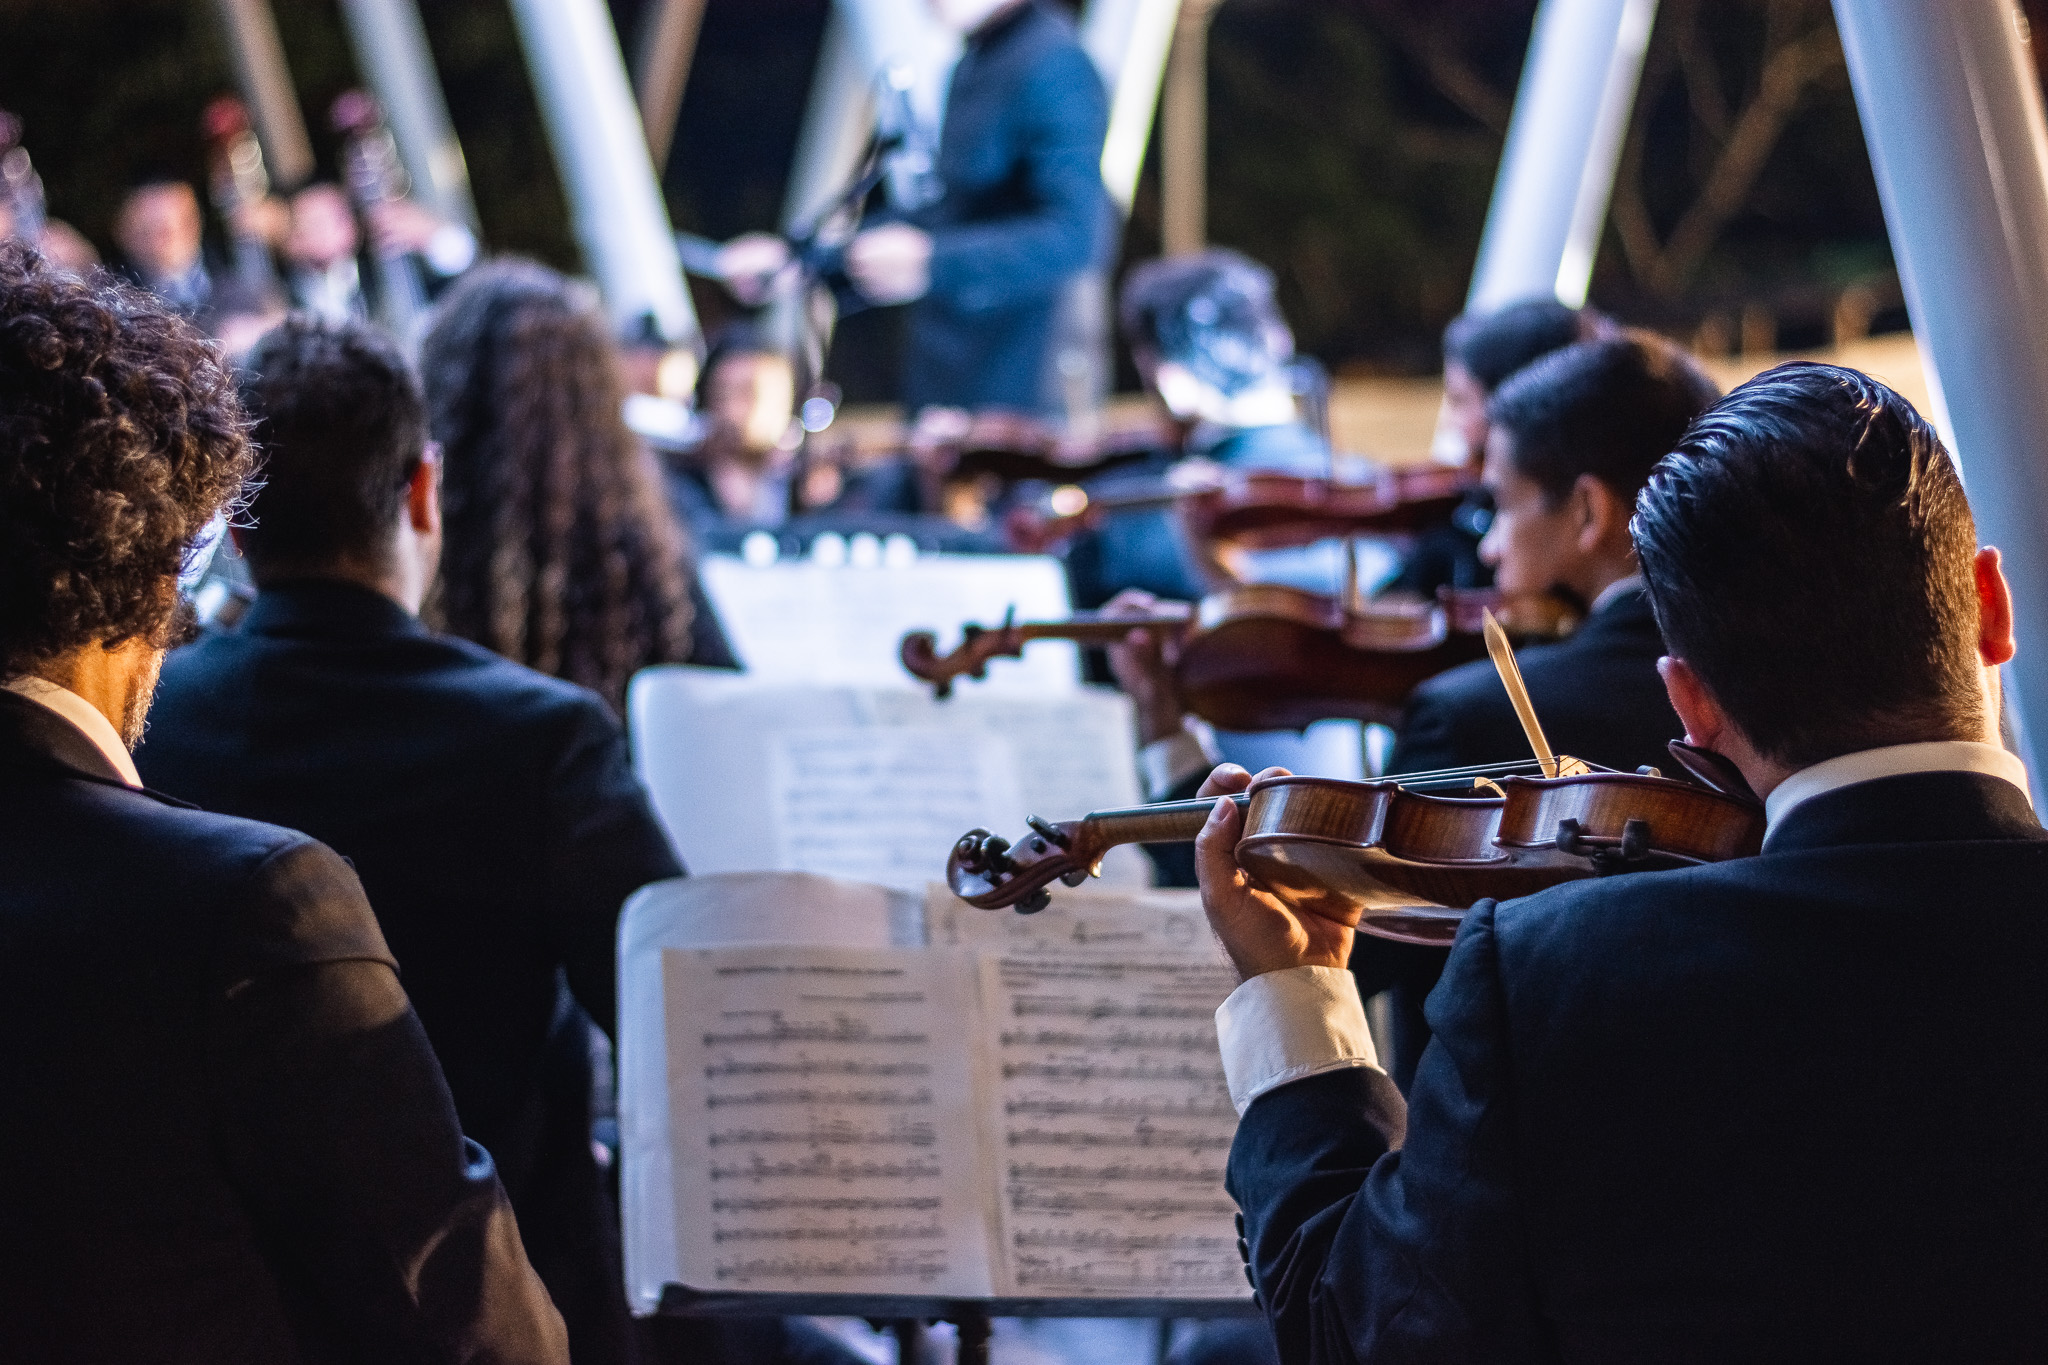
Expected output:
(1021, 209)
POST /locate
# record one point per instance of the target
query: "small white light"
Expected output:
(829, 550)
(898, 551)
(818, 413)
(864, 551)
(1068, 500)
(758, 550)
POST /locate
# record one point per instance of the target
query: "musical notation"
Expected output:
(824, 1124)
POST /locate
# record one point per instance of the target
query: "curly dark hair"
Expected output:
(560, 550)
(120, 438)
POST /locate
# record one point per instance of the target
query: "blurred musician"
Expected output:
(1213, 351)
(225, 1134)
(162, 237)
(323, 248)
(562, 552)
(1778, 1108)
(1480, 351)
(491, 811)
(1021, 210)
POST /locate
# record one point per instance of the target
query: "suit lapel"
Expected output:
(1915, 808)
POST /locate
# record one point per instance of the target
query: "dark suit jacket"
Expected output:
(225, 1136)
(1024, 210)
(1790, 1107)
(494, 818)
(1599, 697)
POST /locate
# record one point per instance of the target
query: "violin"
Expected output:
(1402, 855)
(1010, 447)
(1269, 657)
(1254, 509)
(236, 179)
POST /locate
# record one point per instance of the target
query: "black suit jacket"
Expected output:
(225, 1136)
(1790, 1107)
(495, 820)
(1599, 698)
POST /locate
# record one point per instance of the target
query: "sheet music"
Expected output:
(883, 804)
(823, 1121)
(799, 621)
(1115, 1123)
(726, 757)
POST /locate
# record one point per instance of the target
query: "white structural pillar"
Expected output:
(601, 151)
(391, 50)
(1951, 108)
(1564, 141)
(1128, 41)
(267, 87)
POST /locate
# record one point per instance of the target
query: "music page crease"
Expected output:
(823, 1121)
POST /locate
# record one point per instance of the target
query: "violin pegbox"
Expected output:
(989, 871)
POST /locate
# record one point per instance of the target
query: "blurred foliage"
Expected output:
(1352, 143)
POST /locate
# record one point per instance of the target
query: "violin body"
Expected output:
(1400, 863)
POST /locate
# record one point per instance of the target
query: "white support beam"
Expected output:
(1952, 112)
(600, 149)
(266, 82)
(392, 53)
(1564, 141)
(1129, 41)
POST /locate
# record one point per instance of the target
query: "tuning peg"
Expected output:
(1034, 902)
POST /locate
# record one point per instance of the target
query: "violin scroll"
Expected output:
(988, 871)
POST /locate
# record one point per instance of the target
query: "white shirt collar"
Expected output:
(85, 716)
(1615, 591)
(1961, 756)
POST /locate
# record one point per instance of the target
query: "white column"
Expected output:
(668, 44)
(1128, 41)
(1564, 141)
(1951, 109)
(601, 151)
(267, 87)
(391, 50)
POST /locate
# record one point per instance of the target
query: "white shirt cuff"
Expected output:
(1287, 1026)
(1166, 763)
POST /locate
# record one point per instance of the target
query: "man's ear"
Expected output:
(1995, 643)
(1601, 512)
(1704, 720)
(423, 497)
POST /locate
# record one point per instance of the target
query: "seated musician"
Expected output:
(1213, 352)
(1480, 351)
(1784, 1107)
(225, 1135)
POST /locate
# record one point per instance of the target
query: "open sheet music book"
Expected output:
(1026, 1108)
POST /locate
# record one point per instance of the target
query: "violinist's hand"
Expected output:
(1263, 930)
(1143, 663)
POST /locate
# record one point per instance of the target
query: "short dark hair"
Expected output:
(120, 439)
(1809, 551)
(1610, 408)
(1178, 304)
(340, 425)
(1493, 345)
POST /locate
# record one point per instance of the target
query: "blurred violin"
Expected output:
(237, 181)
(1270, 657)
(1405, 855)
(375, 176)
(1254, 509)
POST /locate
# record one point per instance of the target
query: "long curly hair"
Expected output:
(560, 550)
(120, 438)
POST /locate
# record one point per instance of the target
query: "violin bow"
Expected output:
(1503, 655)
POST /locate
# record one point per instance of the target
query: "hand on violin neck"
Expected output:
(1143, 663)
(1262, 929)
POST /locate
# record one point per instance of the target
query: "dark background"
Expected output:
(1352, 147)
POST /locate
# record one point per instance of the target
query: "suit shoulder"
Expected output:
(1476, 683)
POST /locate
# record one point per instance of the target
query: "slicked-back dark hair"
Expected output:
(120, 438)
(1609, 408)
(340, 426)
(1491, 346)
(1809, 553)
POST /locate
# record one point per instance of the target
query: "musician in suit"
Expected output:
(162, 241)
(322, 249)
(1784, 1107)
(225, 1136)
(1020, 211)
(491, 811)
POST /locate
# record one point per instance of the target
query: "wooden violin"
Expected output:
(1269, 657)
(1401, 854)
(373, 174)
(1252, 509)
(236, 180)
